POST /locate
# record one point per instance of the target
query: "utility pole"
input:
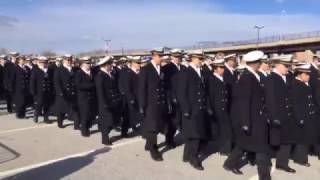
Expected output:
(258, 28)
(107, 46)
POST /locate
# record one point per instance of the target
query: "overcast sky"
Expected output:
(82, 25)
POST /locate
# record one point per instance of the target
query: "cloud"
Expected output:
(83, 27)
(6, 21)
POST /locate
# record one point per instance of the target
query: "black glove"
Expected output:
(276, 123)
(170, 110)
(210, 112)
(186, 115)
(301, 123)
(246, 130)
(174, 100)
(132, 102)
(268, 121)
(141, 111)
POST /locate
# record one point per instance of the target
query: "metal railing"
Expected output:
(215, 44)
(268, 39)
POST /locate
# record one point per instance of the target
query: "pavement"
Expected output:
(45, 152)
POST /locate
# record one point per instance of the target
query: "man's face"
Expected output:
(265, 67)
(197, 61)
(67, 61)
(219, 70)
(156, 59)
(176, 59)
(136, 66)
(232, 63)
(22, 61)
(108, 67)
(2, 61)
(316, 60)
(255, 66)
(305, 77)
(86, 66)
(283, 69)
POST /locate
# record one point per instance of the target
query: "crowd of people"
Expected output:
(257, 108)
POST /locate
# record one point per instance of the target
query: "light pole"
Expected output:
(107, 45)
(258, 28)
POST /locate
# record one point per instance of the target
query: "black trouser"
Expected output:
(151, 141)
(104, 134)
(226, 146)
(262, 159)
(125, 125)
(8, 97)
(283, 155)
(21, 110)
(171, 132)
(300, 153)
(74, 116)
(192, 149)
(42, 107)
(236, 159)
(60, 119)
(316, 149)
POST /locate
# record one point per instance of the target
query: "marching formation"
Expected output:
(256, 109)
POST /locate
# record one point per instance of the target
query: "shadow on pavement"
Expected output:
(61, 169)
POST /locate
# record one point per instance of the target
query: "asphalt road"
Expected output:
(40, 151)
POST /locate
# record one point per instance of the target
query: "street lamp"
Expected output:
(258, 28)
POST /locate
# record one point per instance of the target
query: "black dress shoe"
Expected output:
(286, 169)
(305, 164)
(124, 135)
(197, 165)
(236, 171)
(35, 119)
(185, 159)
(156, 155)
(107, 142)
(226, 168)
(224, 154)
(171, 145)
(48, 122)
(85, 133)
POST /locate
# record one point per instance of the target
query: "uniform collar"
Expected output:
(306, 83)
(314, 65)
(178, 66)
(197, 69)
(229, 68)
(67, 67)
(218, 76)
(254, 73)
(86, 71)
(282, 76)
(263, 72)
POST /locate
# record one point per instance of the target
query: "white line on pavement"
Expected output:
(12, 172)
(28, 128)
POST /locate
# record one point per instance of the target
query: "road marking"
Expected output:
(28, 128)
(256, 177)
(13, 172)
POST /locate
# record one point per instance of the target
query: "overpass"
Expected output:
(289, 43)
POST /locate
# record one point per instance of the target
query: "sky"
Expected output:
(83, 25)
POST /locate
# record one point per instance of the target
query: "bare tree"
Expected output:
(48, 53)
(3, 51)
